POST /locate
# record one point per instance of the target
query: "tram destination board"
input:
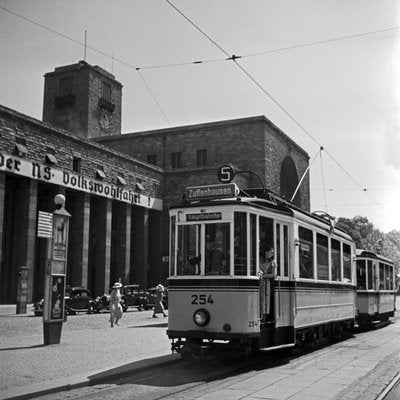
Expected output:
(211, 192)
(204, 216)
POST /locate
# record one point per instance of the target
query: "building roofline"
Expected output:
(185, 128)
(83, 142)
(83, 65)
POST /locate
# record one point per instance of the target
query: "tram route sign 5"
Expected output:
(226, 173)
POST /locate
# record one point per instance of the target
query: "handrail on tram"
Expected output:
(279, 300)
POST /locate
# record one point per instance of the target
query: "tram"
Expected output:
(376, 289)
(219, 239)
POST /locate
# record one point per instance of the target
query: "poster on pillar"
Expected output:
(54, 311)
(60, 237)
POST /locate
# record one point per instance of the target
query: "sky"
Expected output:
(326, 72)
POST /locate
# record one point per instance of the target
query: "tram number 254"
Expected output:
(202, 299)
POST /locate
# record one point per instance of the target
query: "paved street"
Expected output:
(88, 344)
(358, 368)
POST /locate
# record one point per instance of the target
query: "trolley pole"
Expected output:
(55, 275)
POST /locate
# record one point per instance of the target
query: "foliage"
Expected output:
(367, 237)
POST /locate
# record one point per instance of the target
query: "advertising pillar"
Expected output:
(22, 295)
(55, 276)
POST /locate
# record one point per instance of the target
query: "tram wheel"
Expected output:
(190, 352)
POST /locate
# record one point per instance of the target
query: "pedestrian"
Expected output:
(115, 304)
(158, 305)
(267, 274)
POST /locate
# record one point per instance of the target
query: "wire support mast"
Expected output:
(305, 173)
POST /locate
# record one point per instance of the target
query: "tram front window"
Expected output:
(188, 254)
(217, 254)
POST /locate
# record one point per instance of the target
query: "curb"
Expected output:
(75, 382)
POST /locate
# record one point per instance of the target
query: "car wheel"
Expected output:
(90, 309)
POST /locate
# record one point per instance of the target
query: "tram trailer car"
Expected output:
(219, 240)
(376, 289)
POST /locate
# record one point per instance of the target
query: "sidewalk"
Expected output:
(357, 368)
(89, 350)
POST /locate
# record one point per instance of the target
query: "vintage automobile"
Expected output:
(151, 297)
(103, 303)
(77, 299)
(135, 297)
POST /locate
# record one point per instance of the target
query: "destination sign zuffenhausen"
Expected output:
(212, 192)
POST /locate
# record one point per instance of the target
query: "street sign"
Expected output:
(45, 225)
(226, 173)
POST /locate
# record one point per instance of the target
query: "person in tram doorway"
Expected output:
(268, 268)
(115, 304)
(158, 305)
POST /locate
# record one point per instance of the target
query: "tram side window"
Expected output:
(188, 250)
(361, 275)
(306, 253)
(381, 276)
(266, 236)
(391, 284)
(217, 252)
(278, 249)
(253, 244)
(322, 257)
(346, 262)
(286, 250)
(371, 280)
(240, 243)
(172, 248)
(387, 277)
(335, 260)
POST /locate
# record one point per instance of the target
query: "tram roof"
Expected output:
(266, 199)
(371, 254)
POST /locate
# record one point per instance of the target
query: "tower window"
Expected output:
(65, 87)
(201, 157)
(106, 91)
(176, 160)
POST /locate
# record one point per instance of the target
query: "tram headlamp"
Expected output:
(201, 317)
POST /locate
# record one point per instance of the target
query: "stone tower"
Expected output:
(84, 100)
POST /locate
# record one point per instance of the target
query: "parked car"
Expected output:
(151, 297)
(77, 299)
(133, 296)
(103, 303)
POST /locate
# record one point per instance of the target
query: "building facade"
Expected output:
(118, 188)
(192, 155)
(113, 199)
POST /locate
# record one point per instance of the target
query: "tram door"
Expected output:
(267, 263)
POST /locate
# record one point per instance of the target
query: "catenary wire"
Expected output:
(198, 61)
(154, 97)
(234, 59)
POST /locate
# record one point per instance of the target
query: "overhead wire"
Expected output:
(234, 59)
(205, 61)
(137, 69)
(154, 97)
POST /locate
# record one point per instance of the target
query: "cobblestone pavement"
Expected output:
(87, 345)
(357, 368)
